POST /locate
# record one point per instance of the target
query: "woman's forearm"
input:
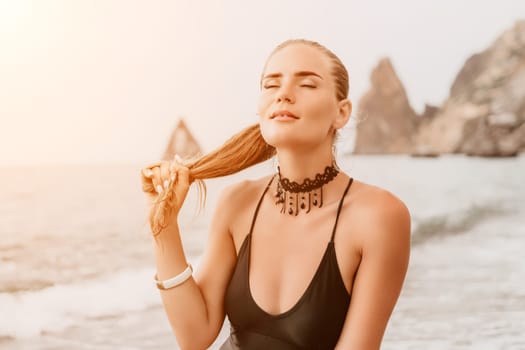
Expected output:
(184, 304)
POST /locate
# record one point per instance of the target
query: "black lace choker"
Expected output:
(295, 197)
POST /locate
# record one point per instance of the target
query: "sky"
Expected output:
(105, 81)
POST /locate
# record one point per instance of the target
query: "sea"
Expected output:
(76, 254)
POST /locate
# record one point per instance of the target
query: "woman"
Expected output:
(308, 258)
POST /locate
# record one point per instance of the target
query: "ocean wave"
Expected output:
(28, 314)
(459, 221)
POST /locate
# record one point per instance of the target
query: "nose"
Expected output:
(285, 94)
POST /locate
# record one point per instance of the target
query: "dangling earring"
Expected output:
(334, 158)
(275, 164)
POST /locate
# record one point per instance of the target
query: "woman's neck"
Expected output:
(296, 166)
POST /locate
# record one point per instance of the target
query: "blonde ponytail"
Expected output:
(241, 151)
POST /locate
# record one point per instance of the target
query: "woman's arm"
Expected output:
(195, 308)
(384, 233)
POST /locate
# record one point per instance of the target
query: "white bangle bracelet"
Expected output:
(174, 281)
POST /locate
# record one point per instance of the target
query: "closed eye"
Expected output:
(270, 86)
(308, 86)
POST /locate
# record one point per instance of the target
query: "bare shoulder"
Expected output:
(380, 214)
(237, 201)
(238, 193)
(375, 200)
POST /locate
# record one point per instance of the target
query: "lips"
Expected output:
(283, 114)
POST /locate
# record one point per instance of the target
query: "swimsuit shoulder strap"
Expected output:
(340, 206)
(259, 204)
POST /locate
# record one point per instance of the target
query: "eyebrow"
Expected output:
(303, 73)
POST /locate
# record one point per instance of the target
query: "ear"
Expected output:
(343, 113)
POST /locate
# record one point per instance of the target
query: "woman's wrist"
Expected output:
(169, 252)
(175, 280)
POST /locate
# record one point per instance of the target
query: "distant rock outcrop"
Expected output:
(485, 112)
(388, 123)
(182, 143)
(483, 115)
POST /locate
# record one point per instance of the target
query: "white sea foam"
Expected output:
(27, 314)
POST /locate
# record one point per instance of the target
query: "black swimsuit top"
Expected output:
(314, 322)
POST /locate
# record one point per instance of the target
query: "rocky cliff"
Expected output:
(181, 142)
(485, 112)
(387, 122)
(483, 115)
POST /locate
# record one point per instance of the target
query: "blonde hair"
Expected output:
(241, 151)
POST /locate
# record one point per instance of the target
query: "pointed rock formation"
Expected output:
(182, 143)
(387, 121)
(485, 112)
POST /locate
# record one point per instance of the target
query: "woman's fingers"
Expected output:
(152, 165)
(156, 180)
(183, 183)
(163, 173)
(146, 178)
(173, 171)
(184, 177)
(146, 172)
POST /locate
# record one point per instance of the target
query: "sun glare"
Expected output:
(13, 15)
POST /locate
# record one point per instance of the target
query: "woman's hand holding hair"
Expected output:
(165, 184)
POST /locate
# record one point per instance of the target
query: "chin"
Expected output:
(286, 136)
(282, 141)
(277, 137)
